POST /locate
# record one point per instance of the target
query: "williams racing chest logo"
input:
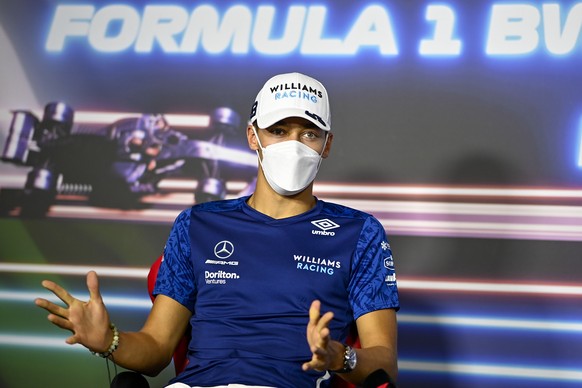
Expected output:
(316, 264)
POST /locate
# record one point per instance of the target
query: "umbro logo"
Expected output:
(325, 225)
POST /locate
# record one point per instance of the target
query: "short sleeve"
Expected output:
(372, 284)
(176, 275)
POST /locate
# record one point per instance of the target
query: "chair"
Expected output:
(180, 355)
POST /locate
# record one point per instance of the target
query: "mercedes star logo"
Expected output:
(223, 249)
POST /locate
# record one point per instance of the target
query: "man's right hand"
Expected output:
(87, 321)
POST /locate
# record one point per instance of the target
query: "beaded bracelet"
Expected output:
(114, 343)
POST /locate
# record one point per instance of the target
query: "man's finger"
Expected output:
(59, 291)
(58, 311)
(324, 320)
(60, 322)
(93, 287)
(310, 365)
(72, 340)
(43, 303)
(51, 307)
(314, 311)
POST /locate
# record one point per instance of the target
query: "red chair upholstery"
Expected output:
(180, 355)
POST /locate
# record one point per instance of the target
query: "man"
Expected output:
(253, 275)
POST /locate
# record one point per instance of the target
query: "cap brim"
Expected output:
(266, 120)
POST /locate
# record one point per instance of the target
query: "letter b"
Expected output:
(513, 29)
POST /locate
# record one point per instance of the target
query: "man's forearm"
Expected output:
(139, 352)
(369, 360)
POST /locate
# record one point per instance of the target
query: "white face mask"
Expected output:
(289, 166)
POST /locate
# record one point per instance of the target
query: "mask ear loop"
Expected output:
(260, 146)
(258, 140)
(322, 150)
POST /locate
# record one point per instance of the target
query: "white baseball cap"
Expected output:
(292, 95)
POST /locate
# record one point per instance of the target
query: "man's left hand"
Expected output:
(324, 353)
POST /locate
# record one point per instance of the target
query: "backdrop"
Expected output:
(458, 124)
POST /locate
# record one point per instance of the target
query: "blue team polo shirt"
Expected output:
(249, 281)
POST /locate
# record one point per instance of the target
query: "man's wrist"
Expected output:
(113, 345)
(347, 360)
(337, 362)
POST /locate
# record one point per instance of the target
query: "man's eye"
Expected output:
(311, 135)
(276, 131)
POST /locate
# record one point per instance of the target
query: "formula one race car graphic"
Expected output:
(117, 164)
